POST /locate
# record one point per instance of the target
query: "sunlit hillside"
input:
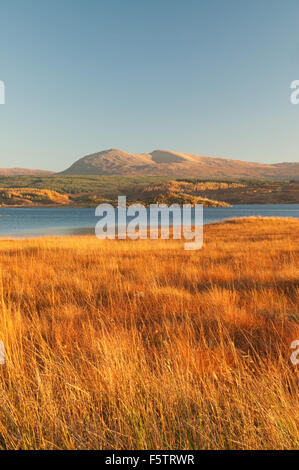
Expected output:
(31, 197)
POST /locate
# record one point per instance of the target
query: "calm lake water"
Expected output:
(35, 222)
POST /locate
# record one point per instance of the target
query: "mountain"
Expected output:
(24, 171)
(168, 163)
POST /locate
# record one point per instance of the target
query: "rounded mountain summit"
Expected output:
(175, 164)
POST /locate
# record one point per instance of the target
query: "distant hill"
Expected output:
(175, 164)
(24, 171)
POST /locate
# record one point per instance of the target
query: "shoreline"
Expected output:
(73, 232)
(74, 206)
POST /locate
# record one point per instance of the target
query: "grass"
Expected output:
(142, 345)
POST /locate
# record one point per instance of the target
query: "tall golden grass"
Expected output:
(142, 345)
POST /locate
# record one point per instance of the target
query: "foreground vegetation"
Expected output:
(142, 345)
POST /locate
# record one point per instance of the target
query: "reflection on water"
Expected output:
(37, 222)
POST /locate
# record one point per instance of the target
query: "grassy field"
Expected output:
(142, 345)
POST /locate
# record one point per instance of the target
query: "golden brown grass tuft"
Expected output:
(142, 345)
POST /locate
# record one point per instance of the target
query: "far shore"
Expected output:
(78, 206)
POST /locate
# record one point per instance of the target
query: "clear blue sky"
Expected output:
(210, 77)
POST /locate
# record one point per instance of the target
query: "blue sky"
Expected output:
(210, 77)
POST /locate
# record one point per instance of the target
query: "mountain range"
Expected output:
(24, 171)
(167, 163)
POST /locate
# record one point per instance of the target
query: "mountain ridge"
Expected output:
(24, 171)
(171, 163)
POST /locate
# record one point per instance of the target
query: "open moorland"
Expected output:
(89, 191)
(142, 345)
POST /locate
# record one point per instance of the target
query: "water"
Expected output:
(36, 222)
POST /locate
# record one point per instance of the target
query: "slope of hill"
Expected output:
(167, 163)
(24, 171)
(31, 197)
(91, 190)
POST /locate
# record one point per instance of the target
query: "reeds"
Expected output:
(142, 345)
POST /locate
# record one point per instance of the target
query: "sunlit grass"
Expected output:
(142, 345)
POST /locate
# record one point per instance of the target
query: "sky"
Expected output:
(209, 77)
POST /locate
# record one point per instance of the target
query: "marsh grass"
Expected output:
(142, 345)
